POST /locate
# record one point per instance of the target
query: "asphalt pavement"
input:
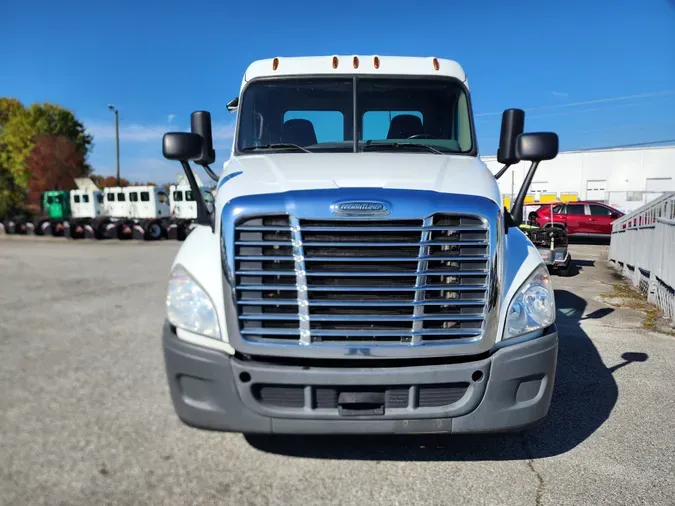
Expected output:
(86, 418)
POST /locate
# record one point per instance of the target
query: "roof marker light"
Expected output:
(275, 64)
(376, 62)
(335, 62)
(356, 62)
(436, 64)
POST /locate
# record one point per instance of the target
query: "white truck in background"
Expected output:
(358, 273)
(184, 207)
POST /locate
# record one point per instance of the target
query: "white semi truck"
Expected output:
(358, 273)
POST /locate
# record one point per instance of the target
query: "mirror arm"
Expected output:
(211, 174)
(517, 207)
(502, 170)
(202, 211)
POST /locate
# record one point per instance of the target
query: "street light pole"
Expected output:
(117, 138)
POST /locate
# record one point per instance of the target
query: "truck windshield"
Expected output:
(316, 114)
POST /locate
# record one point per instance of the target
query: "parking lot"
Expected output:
(86, 418)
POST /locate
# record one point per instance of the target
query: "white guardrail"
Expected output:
(643, 247)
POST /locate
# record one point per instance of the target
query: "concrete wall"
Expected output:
(623, 178)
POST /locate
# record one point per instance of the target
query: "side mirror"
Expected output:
(201, 125)
(537, 147)
(513, 124)
(181, 146)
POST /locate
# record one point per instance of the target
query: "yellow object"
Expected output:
(529, 199)
(548, 197)
(569, 197)
(507, 202)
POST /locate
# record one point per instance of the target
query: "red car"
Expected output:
(579, 218)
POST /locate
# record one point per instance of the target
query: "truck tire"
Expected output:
(43, 227)
(58, 229)
(125, 230)
(153, 230)
(9, 226)
(77, 230)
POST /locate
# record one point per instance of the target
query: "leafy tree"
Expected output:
(20, 129)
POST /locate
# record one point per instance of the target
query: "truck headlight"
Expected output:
(189, 307)
(533, 306)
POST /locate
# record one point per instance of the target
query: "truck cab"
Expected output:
(55, 204)
(86, 203)
(358, 273)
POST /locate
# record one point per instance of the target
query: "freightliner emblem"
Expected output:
(361, 208)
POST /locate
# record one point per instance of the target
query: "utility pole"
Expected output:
(117, 138)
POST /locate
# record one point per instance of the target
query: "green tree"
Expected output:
(20, 127)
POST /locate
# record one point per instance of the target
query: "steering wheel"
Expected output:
(421, 136)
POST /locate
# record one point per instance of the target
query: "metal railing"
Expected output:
(643, 247)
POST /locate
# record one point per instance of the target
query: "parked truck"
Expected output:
(359, 273)
(184, 207)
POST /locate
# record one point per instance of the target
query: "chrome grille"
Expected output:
(402, 282)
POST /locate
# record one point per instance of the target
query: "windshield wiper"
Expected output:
(277, 146)
(397, 145)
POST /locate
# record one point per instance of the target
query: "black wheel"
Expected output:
(153, 231)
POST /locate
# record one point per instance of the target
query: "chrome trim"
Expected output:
(421, 281)
(300, 282)
(406, 204)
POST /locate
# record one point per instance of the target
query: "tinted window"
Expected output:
(111, 197)
(599, 210)
(121, 197)
(318, 113)
(188, 196)
(576, 209)
(145, 197)
(50, 199)
(85, 199)
(99, 198)
(178, 196)
(58, 199)
(559, 209)
(133, 197)
(327, 124)
(76, 199)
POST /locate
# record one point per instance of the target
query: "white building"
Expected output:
(625, 178)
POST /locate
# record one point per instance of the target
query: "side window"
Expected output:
(178, 196)
(76, 199)
(99, 198)
(559, 209)
(326, 126)
(110, 197)
(599, 210)
(85, 199)
(378, 124)
(208, 196)
(575, 209)
(162, 197)
(58, 199)
(133, 197)
(50, 200)
(145, 196)
(121, 197)
(188, 196)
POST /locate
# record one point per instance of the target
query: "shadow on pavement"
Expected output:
(585, 394)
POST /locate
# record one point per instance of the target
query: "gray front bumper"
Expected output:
(514, 391)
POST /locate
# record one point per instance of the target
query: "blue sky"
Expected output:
(570, 64)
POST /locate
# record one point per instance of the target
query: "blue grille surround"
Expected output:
(421, 281)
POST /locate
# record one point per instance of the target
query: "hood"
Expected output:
(276, 173)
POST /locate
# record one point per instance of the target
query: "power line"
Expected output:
(587, 102)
